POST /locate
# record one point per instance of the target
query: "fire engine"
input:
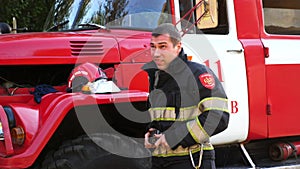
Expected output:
(74, 96)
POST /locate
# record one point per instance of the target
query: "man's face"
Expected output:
(163, 51)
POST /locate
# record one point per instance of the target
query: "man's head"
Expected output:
(165, 45)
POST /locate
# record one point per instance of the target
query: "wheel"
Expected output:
(85, 153)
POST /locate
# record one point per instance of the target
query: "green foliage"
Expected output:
(29, 13)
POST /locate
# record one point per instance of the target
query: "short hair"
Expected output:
(168, 28)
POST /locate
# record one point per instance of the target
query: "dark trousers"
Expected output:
(184, 162)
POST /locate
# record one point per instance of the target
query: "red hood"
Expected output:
(69, 47)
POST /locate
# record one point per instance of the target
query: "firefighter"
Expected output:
(187, 105)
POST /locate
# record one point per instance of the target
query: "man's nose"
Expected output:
(156, 53)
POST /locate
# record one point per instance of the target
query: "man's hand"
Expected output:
(161, 140)
(147, 136)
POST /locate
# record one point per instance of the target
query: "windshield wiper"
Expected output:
(58, 25)
(94, 25)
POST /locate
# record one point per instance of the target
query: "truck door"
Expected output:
(280, 32)
(213, 42)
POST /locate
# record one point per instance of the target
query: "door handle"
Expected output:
(235, 50)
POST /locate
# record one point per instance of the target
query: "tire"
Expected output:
(83, 153)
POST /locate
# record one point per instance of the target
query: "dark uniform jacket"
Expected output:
(187, 103)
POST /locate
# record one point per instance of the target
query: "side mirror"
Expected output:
(207, 14)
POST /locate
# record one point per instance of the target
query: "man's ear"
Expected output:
(178, 47)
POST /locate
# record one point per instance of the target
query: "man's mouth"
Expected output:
(158, 62)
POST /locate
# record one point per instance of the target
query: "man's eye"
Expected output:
(163, 46)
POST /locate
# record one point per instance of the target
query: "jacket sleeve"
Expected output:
(214, 117)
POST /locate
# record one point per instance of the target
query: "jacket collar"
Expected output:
(178, 64)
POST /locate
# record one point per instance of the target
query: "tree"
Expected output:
(29, 13)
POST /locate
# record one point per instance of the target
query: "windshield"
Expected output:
(69, 14)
